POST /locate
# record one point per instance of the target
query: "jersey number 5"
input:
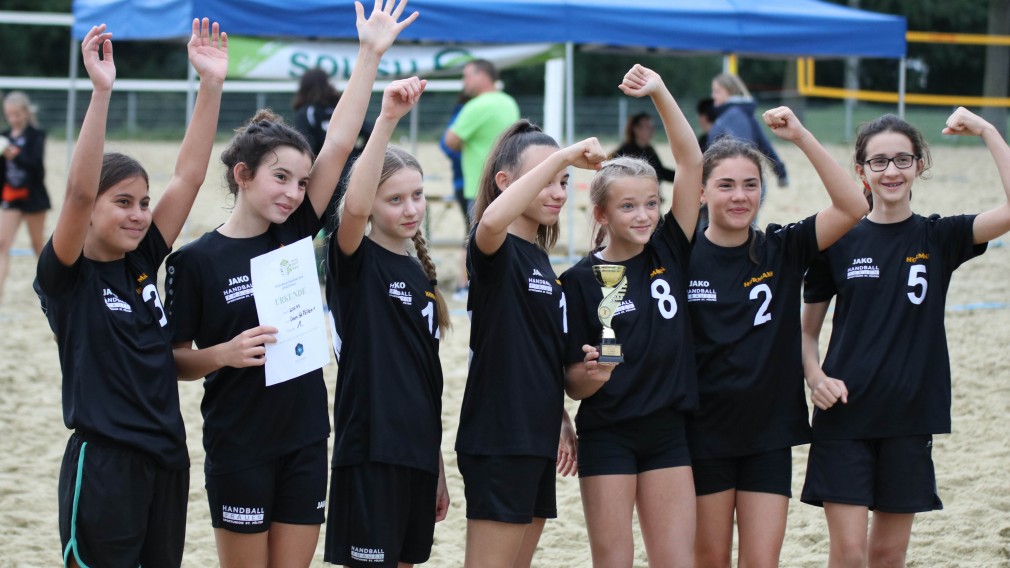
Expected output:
(762, 316)
(916, 278)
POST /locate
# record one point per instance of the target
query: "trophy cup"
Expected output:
(614, 284)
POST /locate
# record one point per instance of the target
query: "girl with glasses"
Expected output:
(885, 388)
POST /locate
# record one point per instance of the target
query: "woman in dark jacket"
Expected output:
(734, 116)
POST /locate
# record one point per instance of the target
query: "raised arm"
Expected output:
(996, 221)
(86, 163)
(641, 81)
(397, 100)
(824, 390)
(208, 52)
(848, 205)
(375, 35)
(509, 206)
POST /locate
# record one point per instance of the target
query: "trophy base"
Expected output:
(610, 351)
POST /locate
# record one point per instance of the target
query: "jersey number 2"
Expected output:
(916, 278)
(762, 316)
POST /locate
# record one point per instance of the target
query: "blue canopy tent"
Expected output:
(765, 27)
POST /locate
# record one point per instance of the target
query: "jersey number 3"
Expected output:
(151, 293)
(917, 278)
(762, 316)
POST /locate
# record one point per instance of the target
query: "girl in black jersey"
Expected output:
(884, 389)
(743, 298)
(124, 482)
(266, 446)
(388, 484)
(632, 444)
(513, 406)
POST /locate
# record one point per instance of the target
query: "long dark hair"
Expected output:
(506, 156)
(315, 88)
(263, 134)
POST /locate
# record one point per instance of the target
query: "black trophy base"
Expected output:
(610, 351)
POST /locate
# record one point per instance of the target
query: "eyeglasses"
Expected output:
(901, 161)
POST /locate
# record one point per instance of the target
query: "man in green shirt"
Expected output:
(485, 116)
(481, 120)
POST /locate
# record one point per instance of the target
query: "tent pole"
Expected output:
(901, 88)
(570, 139)
(71, 99)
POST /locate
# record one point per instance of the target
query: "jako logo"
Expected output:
(238, 280)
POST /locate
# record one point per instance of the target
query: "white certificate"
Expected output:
(286, 290)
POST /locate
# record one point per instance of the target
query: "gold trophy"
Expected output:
(615, 285)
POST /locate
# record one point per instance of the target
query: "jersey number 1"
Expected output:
(429, 312)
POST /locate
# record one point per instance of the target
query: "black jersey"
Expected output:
(746, 322)
(888, 342)
(119, 377)
(514, 393)
(388, 401)
(651, 324)
(210, 301)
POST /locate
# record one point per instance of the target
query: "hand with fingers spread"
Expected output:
(641, 81)
(400, 96)
(965, 123)
(208, 50)
(248, 348)
(379, 30)
(587, 154)
(568, 448)
(827, 391)
(97, 51)
(784, 123)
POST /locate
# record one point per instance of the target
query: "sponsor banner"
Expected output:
(254, 58)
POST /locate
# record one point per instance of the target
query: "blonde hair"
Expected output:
(622, 167)
(395, 160)
(20, 99)
(733, 84)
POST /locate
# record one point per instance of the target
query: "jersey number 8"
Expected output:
(665, 301)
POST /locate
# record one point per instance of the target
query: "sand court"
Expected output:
(972, 464)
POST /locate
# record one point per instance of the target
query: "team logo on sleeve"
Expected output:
(862, 268)
(537, 283)
(399, 291)
(114, 302)
(238, 287)
(701, 291)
